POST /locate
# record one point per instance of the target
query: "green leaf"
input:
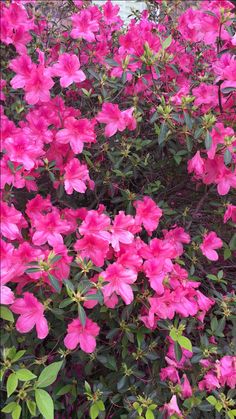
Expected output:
(87, 387)
(121, 383)
(64, 390)
(185, 343)
(167, 42)
(208, 140)
(44, 403)
(82, 314)
(18, 355)
(149, 414)
(49, 374)
(65, 303)
(218, 406)
(174, 334)
(178, 351)
(163, 132)
(93, 411)
(25, 375)
(31, 407)
(12, 383)
(6, 314)
(227, 157)
(154, 117)
(232, 243)
(227, 253)
(212, 400)
(100, 405)
(188, 120)
(54, 282)
(16, 412)
(9, 407)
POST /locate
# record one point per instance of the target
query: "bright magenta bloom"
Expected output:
(49, 228)
(196, 164)
(210, 243)
(82, 335)
(31, 314)
(230, 213)
(76, 175)
(148, 214)
(92, 247)
(68, 70)
(115, 119)
(120, 230)
(172, 408)
(84, 26)
(76, 132)
(119, 279)
(12, 221)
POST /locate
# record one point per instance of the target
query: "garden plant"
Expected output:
(118, 212)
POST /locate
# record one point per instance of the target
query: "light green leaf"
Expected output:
(82, 315)
(173, 334)
(16, 412)
(18, 355)
(185, 343)
(6, 314)
(149, 414)
(167, 42)
(44, 403)
(9, 407)
(49, 374)
(25, 375)
(31, 407)
(12, 383)
(93, 411)
(100, 405)
(212, 400)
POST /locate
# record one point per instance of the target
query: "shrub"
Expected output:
(118, 170)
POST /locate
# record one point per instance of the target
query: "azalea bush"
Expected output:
(117, 210)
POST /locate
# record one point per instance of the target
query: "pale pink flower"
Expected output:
(148, 213)
(75, 177)
(77, 334)
(68, 69)
(119, 279)
(76, 132)
(31, 314)
(6, 295)
(209, 244)
(84, 26)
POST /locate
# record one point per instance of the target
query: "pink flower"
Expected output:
(227, 371)
(12, 221)
(115, 119)
(49, 228)
(67, 69)
(82, 335)
(211, 242)
(22, 66)
(210, 382)
(172, 408)
(120, 230)
(92, 247)
(156, 270)
(230, 213)
(84, 26)
(148, 214)
(196, 164)
(6, 295)
(76, 175)
(76, 132)
(96, 224)
(31, 314)
(186, 389)
(38, 85)
(119, 279)
(206, 95)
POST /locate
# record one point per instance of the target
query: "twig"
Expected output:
(199, 205)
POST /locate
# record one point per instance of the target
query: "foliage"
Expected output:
(117, 206)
